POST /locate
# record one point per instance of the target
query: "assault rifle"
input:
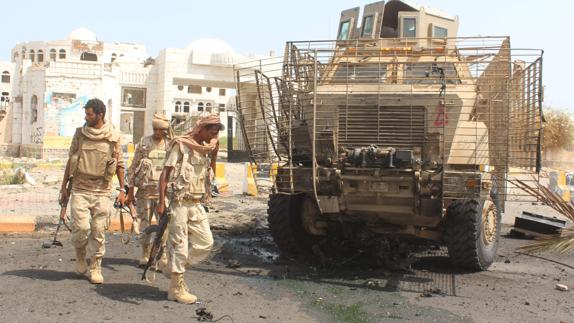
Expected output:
(157, 248)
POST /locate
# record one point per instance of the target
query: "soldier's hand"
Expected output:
(160, 209)
(64, 196)
(121, 199)
(130, 199)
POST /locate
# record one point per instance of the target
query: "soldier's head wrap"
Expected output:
(212, 119)
(162, 122)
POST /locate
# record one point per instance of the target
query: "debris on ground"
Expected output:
(233, 264)
(562, 287)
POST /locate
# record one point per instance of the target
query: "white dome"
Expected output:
(82, 34)
(210, 46)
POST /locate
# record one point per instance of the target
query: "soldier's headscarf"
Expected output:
(187, 138)
(162, 122)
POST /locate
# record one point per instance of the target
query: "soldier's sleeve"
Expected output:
(75, 142)
(120, 154)
(172, 157)
(138, 155)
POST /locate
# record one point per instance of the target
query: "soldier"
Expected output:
(144, 173)
(189, 224)
(95, 157)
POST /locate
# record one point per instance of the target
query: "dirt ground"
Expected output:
(248, 281)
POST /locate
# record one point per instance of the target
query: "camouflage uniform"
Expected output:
(144, 173)
(93, 163)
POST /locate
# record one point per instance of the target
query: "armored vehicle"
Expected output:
(398, 128)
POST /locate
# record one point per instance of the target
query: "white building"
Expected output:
(51, 81)
(6, 74)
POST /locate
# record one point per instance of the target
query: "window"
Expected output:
(62, 54)
(208, 107)
(114, 56)
(367, 26)
(32, 55)
(430, 73)
(5, 99)
(194, 89)
(410, 27)
(200, 106)
(177, 106)
(5, 77)
(90, 57)
(440, 32)
(180, 87)
(34, 109)
(133, 97)
(221, 92)
(15, 56)
(221, 107)
(360, 73)
(208, 89)
(53, 55)
(40, 56)
(344, 30)
(186, 107)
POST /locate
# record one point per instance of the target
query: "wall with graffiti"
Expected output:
(64, 113)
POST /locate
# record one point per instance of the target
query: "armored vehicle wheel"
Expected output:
(473, 231)
(286, 225)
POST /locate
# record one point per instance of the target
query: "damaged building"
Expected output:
(48, 82)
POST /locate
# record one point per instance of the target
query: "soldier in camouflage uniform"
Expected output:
(189, 239)
(95, 157)
(144, 173)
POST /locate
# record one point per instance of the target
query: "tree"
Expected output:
(558, 130)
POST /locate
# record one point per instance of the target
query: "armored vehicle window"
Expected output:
(360, 73)
(367, 26)
(410, 27)
(344, 30)
(430, 73)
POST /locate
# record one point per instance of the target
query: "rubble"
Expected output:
(562, 287)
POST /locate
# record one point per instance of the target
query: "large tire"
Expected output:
(285, 223)
(473, 231)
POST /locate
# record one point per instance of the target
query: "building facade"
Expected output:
(48, 83)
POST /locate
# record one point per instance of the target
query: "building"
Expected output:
(48, 83)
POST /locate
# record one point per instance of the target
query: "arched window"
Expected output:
(186, 107)
(208, 107)
(40, 56)
(53, 55)
(15, 56)
(62, 54)
(34, 109)
(114, 56)
(177, 106)
(32, 55)
(5, 77)
(200, 106)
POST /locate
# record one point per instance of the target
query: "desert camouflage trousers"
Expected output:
(90, 214)
(189, 239)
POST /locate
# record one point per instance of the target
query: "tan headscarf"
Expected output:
(106, 132)
(161, 121)
(187, 138)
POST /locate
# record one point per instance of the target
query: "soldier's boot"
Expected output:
(96, 271)
(81, 265)
(146, 249)
(178, 291)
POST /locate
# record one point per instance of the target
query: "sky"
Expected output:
(258, 26)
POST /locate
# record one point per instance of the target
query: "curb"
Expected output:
(17, 224)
